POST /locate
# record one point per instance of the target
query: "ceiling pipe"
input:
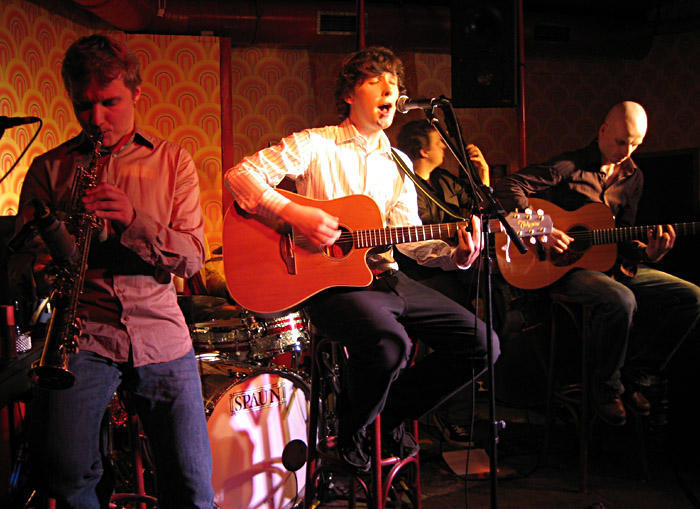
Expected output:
(333, 25)
(330, 25)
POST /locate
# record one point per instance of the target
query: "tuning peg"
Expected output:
(533, 240)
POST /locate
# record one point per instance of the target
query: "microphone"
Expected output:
(404, 104)
(21, 238)
(6, 122)
(60, 243)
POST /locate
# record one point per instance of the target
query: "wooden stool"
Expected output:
(323, 461)
(574, 396)
(571, 318)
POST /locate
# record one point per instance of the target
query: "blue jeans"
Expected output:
(66, 461)
(662, 307)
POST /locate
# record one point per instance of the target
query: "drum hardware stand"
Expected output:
(135, 439)
(487, 206)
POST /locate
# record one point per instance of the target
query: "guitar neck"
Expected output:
(402, 234)
(616, 235)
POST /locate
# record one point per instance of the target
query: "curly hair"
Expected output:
(363, 64)
(413, 137)
(102, 58)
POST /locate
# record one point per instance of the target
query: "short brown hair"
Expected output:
(363, 64)
(102, 58)
(413, 137)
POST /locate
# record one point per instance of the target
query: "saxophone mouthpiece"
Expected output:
(95, 135)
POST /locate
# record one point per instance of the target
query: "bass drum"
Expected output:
(256, 420)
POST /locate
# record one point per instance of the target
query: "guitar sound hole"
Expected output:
(342, 247)
(576, 249)
(581, 243)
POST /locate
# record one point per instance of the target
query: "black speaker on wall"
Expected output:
(484, 53)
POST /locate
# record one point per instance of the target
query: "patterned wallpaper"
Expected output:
(278, 91)
(565, 99)
(179, 102)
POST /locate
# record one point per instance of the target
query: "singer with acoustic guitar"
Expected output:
(349, 169)
(592, 186)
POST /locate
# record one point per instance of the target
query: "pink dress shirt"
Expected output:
(128, 308)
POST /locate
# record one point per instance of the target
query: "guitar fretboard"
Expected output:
(403, 234)
(615, 235)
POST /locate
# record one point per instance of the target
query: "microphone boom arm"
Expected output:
(483, 194)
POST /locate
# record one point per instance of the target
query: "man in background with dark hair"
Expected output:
(423, 144)
(133, 335)
(376, 324)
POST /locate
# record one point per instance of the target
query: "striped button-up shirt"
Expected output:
(332, 162)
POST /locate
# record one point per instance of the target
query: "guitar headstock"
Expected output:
(530, 224)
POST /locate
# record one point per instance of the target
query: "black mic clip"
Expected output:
(404, 104)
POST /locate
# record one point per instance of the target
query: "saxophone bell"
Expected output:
(51, 370)
(52, 377)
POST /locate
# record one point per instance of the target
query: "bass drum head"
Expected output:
(257, 432)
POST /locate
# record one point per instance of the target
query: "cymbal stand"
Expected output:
(121, 500)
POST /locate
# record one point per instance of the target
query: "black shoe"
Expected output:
(352, 451)
(400, 443)
(454, 434)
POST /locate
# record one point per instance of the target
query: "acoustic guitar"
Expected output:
(594, 247)
(271, 269)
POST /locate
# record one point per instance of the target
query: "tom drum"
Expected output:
(272, 337)
(230, 337)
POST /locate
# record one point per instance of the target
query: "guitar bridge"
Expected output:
(287, 252)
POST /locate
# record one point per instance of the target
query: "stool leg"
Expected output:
(419, 503)
(315, 401)
(377, 492)
(135, 442)
(550, 391)
(134, 438)
(585, 403)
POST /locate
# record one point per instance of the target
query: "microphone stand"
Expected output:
(487, 207)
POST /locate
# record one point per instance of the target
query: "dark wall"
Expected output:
(671, 195)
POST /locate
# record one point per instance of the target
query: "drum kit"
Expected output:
(256, 399)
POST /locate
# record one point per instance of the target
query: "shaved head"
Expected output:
(623, 131)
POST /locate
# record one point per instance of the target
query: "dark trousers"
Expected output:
(377, 325)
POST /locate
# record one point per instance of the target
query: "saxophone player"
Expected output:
(132, 333)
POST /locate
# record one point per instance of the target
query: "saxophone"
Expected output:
(63, 329)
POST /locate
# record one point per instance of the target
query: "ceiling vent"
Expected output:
(336, 23)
